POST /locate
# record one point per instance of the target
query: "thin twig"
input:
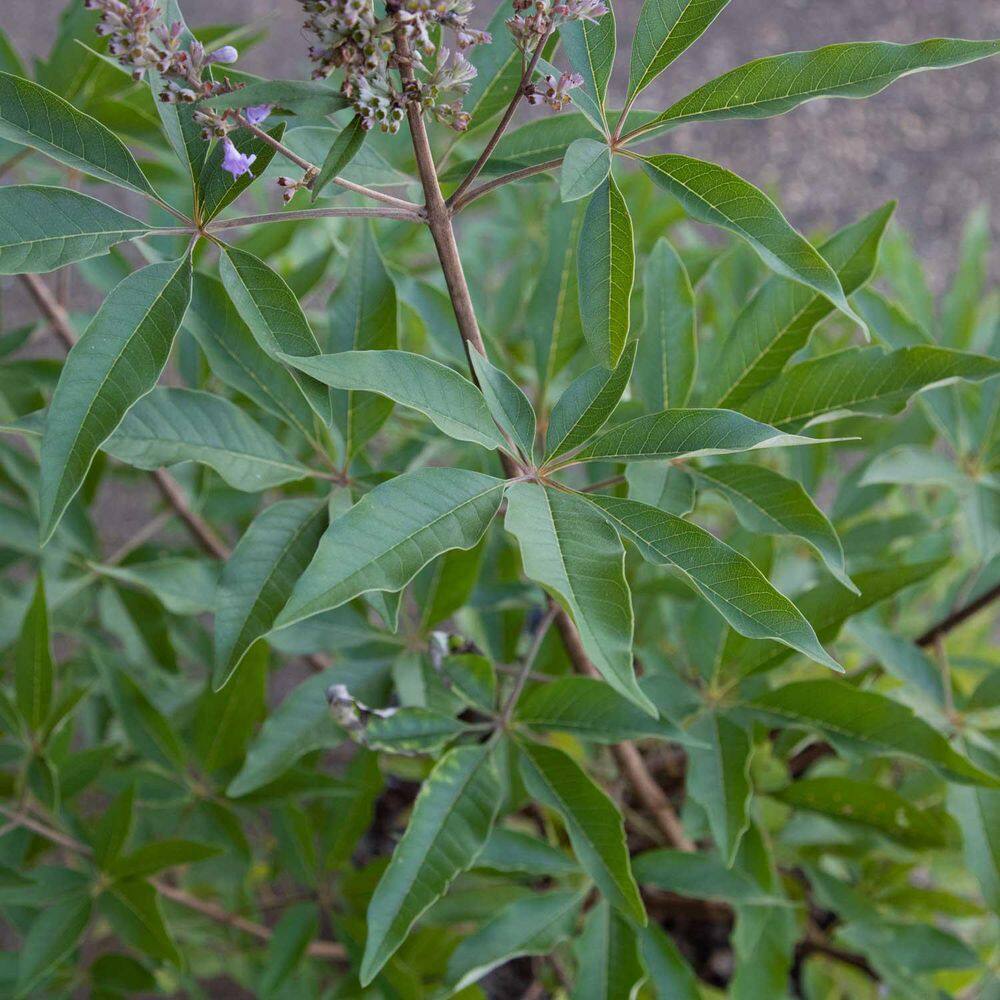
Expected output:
(315, 213)
(498, 132)
(529, 662)
(603, 484)
(956, 618)
(516, 175)
(311, 168)
(50, 308)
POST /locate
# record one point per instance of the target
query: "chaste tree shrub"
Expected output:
(569, 606)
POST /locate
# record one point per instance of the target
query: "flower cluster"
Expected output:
(534, 20)
(555, 92)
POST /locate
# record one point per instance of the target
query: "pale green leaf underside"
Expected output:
(718, 197)
(727, 579)
(451, 401)
(117, 361)
(391, 534)
(36, 117)
(449, 825)
(259, 576)
(44, 228)
(184, 425)
(586, 164)
(568, 548)
(510, 407)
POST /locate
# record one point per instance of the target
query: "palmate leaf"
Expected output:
(776, 84)
(117, 361)
(668, 347)
(450, 400)
(727, 579)
(862, 380)
(608, 957)
(684, 433)
(769, 503)
(718, 197)
(569, 548)
(605, 271)
(169, 425)
(594, 824)
(665, 29)
(391, 534)
(44, 228)
(259, 576)
(451, 820)
(36, 117)
(870, 720)
(779, 318)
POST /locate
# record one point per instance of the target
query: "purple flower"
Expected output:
(257, 113)
(227, 54)
(233, 161)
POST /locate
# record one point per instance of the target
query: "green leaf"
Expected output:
(364, 316)
(53, 934)
(571, 550)
(667, 487)
(183, 586)
(977, 811)
(152, 858)
(132, 907)
(718, 778)
(33, 662)
(586, 165)
(36, 117)
(716, 196)
(450, 400)
(665, 29)
(454, 579)
(343, 149)
(472, 678)
(510, 851)
(450, 822)
(668, 347)
(771, 504)
(508, 404)
(383, 541)
(777, 84)
(312, 97)
(862, 380)
(700, 876)
(114, 364)
(216, 188)
(726, 579)
(168, 426)
(781, 315)
(590, 47)
(605, 271)
(259, 576)
(870, 720)
(608, 957)
(535, 925)
(592, 820)
(44, 228)
(591, 710)
(670, 977)
(411, 730)
(587, 404)
(869, 805)
(114, 829)
(272, 312)
(298, 925)
(687, 433)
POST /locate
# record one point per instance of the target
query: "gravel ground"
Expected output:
(932, 141)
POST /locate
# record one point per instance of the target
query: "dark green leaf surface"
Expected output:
(33, 662)
(345, 147)
(590, 47)
(508, 404)
(608, 957)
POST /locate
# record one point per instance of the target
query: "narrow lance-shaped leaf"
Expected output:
(383, 541)
(769, 503)
(51, 937)
(36, 117)
(33, 662)
(184, 425)
(586, 404)
(608, 957)
(727, 579)
(450, 400)
(665, 29)
(605, 271)
(571, 550)
(862, 380)
(668, 346)
(226, 720)
(44, 228)
(590, 47)
(594, 824)
(779, 318)
(507, 402)
(777, 84)
(684, 434)
(307, 96)
(117, 361)
(669, 975)
(450, 822)
(718, 197)
(343, 150)
(259, 576)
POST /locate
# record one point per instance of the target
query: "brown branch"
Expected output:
(330, 950)
(50, 309)
(956, 618)
(516, 175)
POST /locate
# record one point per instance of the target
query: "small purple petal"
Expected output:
(233, 161)
(226, 54)
(257, 114)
